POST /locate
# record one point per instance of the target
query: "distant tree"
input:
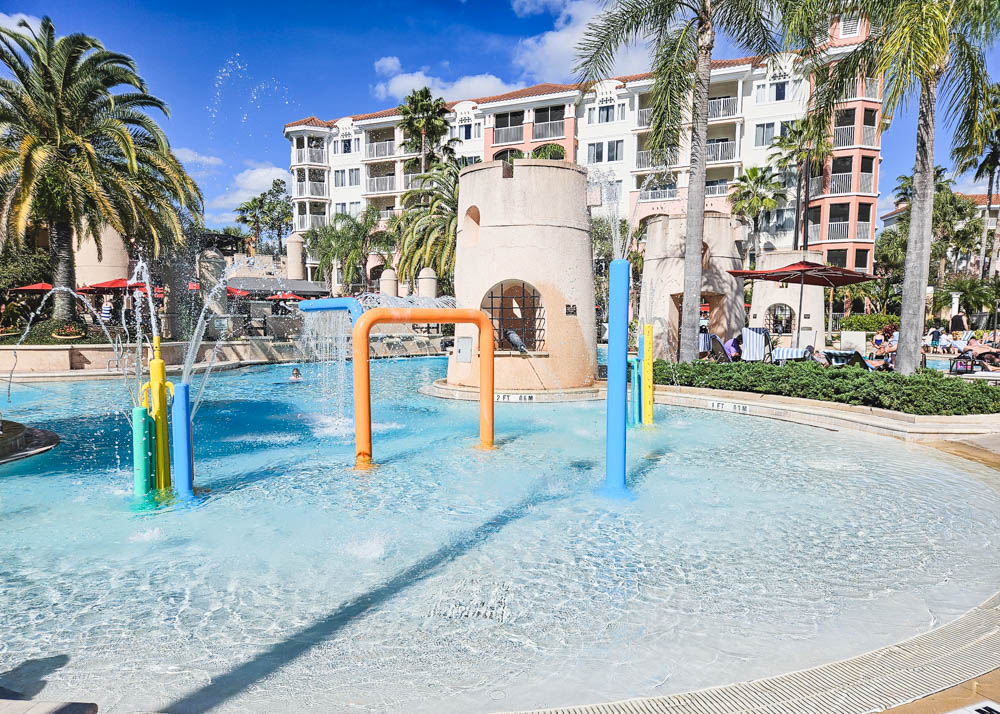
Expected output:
(549, 151)
(756, 193)
(424, 124)
(278, 211)
(251, 214)
(983, 157)
(804, 144)
(973, 294)
(350, 241)
(428, 226)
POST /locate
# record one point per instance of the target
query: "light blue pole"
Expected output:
(617, 404)
(181, 441)
(341, 303)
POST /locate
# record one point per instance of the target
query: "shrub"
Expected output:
(868, 323)
(928, 392)
(41, 334)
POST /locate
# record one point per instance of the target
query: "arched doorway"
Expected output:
(779, 319)
(516, 305)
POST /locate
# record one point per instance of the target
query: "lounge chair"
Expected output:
(780, 355)
(106, 312)
(847, 358)
(717, 352)
(756, 345)
(704, 343)
(962, 343)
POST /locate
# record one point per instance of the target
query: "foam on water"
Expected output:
(454, 580)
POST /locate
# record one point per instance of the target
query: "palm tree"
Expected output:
(903, 192)
(423, 122)
(428, 224)
(973, 294)
(984, 158)
(682, 35)
(549, 151)
(251, 213)
(803, 142)
(350, 241)
(77, 157)
(278, 211)
(756, 194)
(921, 47)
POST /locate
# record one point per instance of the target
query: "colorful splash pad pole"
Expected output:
(342, 303)
(181, 441)
(157, 399)
(617, 399)
(143, 468)
(646, 355)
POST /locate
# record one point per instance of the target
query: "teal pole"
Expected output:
(142, 475)
(617, 399)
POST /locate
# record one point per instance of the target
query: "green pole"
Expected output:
(141, 452)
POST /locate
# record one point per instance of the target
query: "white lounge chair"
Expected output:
(756, 345)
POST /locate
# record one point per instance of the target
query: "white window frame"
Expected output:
(595, 153)
(354, 177)
(856, 24)
(339, 178)
(756, 138)
(619, 150)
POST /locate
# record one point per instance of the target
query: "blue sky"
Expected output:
(234, 72)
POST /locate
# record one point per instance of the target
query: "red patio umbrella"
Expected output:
(284, 296)
(109, 286)
(806, 273)
(33, 288)
(230, 292)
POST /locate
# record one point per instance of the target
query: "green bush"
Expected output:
(41, 334)
(928, 392)
(868, 323)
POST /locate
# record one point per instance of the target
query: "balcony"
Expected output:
(722, 107)
(312, 189)
(864, 230)
(411, 181)
(717, 189)
(843, 136)
(869, 135)
(658, 194)
(305, 222)
(850, 92)
(548, 130)
(387, 213)
(508, 135)
(871, 88)
(867, 184)
(838, 230)
(814, 232)
(380, 150)
(645, 117)
(310, 156)
(815, 186)
(381, 184)
(720, 151)
(840, 183)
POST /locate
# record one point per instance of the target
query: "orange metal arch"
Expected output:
(412, 316)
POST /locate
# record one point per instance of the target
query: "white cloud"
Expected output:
(388, 66)
(467, 87)
(190, 156)
(246, 184)
(11, 22)
(967, 183)
(551, 56)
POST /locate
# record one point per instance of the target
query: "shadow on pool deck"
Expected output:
(266, 663)
(28, 678)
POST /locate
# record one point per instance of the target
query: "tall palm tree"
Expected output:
(682, 36)
(251, 213)
(278, 211)
(76, 156)
(423, 122)
(756, 194)
(903, 192)
(350, 241)
(984, 158)
(803, 143)
(427, 227)
(973, 294)
(928, 48)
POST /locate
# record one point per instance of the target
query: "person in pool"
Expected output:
(296, 375)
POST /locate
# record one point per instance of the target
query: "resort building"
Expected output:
(345, 164)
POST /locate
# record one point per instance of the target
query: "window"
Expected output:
(767, 92)
(837, 258)
(354, 176)
(478, 132)
(616, 150)
(590, 115)
(848, 27)
(621, 112)
(334, 147)
(778, 319)
(517, 306)
(546, 114)
(468, 160)
(339, 178)
(614, 191)
(345, 146)
(355, 208)
(509, 119)
(606, 114)
(779, 91)
(340, 208)
(871, 117)
(865, 213)
(861, 259)
(595, 153)
(763, 134)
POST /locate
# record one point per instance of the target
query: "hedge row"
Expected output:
(868, 323)
(928, 392)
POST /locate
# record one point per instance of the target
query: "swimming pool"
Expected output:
(454, 580)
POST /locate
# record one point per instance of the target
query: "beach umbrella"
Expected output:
(806, 273)
(33, 288)
(230, 292)
(284, 296)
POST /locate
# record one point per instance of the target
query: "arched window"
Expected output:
(549, 151)
(516, 305)
(779, 319)
(508, 155)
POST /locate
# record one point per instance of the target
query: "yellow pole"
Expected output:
(158, 409)
(647, 374)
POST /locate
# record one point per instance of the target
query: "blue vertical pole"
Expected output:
(180, 418)
(617, 404)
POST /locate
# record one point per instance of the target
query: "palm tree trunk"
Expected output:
(696, 195)
(986, 227)
(63, 269)
(423, 151)
(918, 250)
(798, 208)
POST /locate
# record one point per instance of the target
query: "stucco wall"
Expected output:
(766, 293)
(112, 265)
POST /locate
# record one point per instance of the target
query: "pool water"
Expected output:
(454, 580)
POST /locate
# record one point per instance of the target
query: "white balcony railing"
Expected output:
(869, 135)
(814, 232)
(305, 222)
(310, 156)
(838, 230)
(722, 107)
(717, 189)
(815, 186)
(645, 116)
(658, 194)
(310, 188)
(840, 183)
(379, 149)
(644, 159)
(387, 213)
(721, 151)
(548, 130)
(871, 88)
(850, 92)
(382, 184)
(864, 230)
(843, 136)
(867, 183)
(508, 135)
(411, 181)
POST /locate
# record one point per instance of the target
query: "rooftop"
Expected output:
(978, 198)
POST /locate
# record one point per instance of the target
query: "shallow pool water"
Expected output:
(454, 580)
